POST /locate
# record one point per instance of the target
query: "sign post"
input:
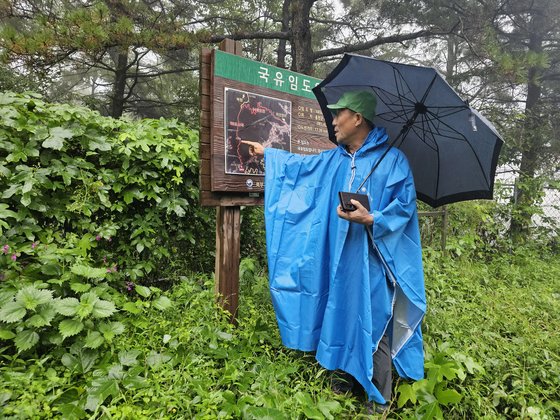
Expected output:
(242, 99)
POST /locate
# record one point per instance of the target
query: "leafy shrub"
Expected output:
(90, 207)
(126, 189)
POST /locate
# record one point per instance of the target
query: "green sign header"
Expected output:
(230, 66)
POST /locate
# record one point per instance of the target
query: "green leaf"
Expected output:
(134, 381)
(430, 411)
(263, 413)
(440, 367)
(101, 389)
(12, 312)
(5, 212)
(162, 303)
(69, 396)
(31, 297)
(328, 408)
(82, 362)
(128, 358)
(406, 393)
(94, 339)
(70, 361)
(156, 359)
(312, 413)
(27, 186)
(70, 327)
(11, 191)
(129, 196)
(80, 287)
(67, 306)
(55, 338)
(111, 329)
(89, 272)
(25, 199)
(43, 317)
(132, 308)
(103, 309)
(51, 269)
(6, 297)
(71, 412)
(100, 144)
(56, 138)
(26, 339)
(143, 290)
(448, 396)
(224, 335)
(5, 396)
(86, 305)
(6, 334)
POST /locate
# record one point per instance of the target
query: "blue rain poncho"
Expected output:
(333, 291)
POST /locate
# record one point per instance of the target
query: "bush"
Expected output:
(90, 206)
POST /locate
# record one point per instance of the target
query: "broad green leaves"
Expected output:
(12, 312)
(43, 317)
(56, 138)
(30, 297)
(103, 309)
(89, 272)
(88, 305)
(67, 306)
(162, 303)
(70, 327)
(429, 394)
(26, 339)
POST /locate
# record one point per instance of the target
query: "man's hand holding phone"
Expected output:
(360, 214)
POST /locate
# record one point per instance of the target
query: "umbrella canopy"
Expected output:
(452, 149)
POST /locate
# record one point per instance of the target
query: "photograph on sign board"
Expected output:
(253, 117)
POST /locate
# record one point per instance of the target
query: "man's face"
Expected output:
(344, 123)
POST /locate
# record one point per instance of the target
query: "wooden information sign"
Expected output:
(242, 99)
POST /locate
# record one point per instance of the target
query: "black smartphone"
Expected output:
(345, 198)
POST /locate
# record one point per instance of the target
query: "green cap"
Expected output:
(360, 101)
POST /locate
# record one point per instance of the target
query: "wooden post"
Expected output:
(228, 232)
(444, 229)
(228, 237)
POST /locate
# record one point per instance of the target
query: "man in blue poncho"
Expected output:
(336, 289)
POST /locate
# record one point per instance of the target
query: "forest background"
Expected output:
(106, 255)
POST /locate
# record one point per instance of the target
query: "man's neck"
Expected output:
(355, 145)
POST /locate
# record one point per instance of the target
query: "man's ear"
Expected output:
(359, 119)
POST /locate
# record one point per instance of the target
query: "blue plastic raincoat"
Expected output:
(333, 291)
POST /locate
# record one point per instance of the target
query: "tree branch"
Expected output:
(160, 73)
(375, 42)
(246, 35)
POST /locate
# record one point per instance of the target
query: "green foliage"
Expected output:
(90, 206)
(496, 318)
(432, 394)
(490, 341)
(253, 234)
(123, 193)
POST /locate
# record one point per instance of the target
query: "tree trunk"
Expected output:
(300, 39)
(527, 188)
(281, 61)
(119, 86)
(451, 63)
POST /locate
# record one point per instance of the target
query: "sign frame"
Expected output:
(227, 70)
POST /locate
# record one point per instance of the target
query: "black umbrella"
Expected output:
(451, 148)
